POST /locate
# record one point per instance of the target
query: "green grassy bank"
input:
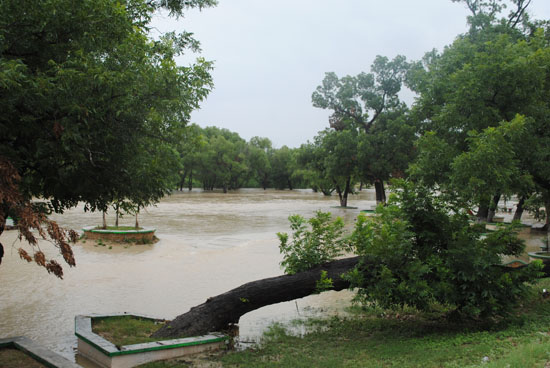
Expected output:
(375, 338)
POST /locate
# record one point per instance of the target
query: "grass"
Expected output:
(126, 330)
(404, 338)
(12, 357)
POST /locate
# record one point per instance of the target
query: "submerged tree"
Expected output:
(359, 103)
(487, 76)
(258, 155)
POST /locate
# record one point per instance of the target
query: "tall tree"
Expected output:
(258, 152)
(359, 102)
(487, 76)
(310, 159)
(283, 166)
(88, 100)
(339, 154)
(223, 160)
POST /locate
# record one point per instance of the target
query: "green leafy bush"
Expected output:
(419, 250)
(312, 245)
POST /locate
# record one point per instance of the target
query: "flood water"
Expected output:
(209, 243)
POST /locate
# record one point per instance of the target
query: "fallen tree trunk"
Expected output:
(221, 311)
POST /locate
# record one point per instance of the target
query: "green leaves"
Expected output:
(419, 250)
(313, 242)
(94, 105)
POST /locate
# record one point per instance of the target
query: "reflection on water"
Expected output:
(209, 243)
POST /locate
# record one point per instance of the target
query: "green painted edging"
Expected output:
(122, 232)
(143, 350)
(93, 344)
(164, 347)
(539, 256)
(514, 261)
(152, 348)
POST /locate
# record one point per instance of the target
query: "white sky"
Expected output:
(271, 55)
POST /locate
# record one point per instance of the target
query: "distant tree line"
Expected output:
(215, 158)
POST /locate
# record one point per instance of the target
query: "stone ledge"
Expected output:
(37, 352)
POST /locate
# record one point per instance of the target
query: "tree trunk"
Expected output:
(182, 181)
(547, 224)
(117, 209)
(104, 219)
(137, 213)
(190, 182)
(340, 193)
(221, 311)
(493, 208)
(380, 191)
(519, 209)
(3, 219)
(483, 211)
(289, 184)
(344, 196)
(344, 199)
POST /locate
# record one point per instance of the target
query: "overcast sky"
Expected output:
(271, 55)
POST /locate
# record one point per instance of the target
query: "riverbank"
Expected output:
(402, 338)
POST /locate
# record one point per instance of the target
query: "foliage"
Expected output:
(222, 161)
(419, 250)
(535, 205)
(91, 106)
(31, 216)
(310, 158)
(406, 338)
(338, 150)
(357, 101)
(258, 154)
(324, 283)
(479, 102)
(490, 164)
(314, 242)
(283, 165)
(367, 116)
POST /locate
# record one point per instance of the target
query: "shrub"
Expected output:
(420, 250)
(312, 245)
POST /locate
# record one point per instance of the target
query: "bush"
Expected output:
(309, 248)
(419, 250)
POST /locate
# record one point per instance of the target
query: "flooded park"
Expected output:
(209, 243)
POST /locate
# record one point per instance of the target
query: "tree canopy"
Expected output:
(470, 94)
(91, 103)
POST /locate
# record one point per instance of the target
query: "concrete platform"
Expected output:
(105, 354)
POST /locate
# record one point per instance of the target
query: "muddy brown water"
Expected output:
(209, 243)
